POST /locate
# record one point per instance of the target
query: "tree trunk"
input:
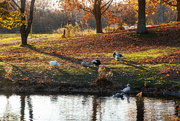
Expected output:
(98, 24)
(97, 15)
(161, 16)
(23, 35)
(140, 109)
(25, 29)
(178, 10)
(141, 29)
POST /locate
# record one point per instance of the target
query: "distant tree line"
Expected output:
(46, 19)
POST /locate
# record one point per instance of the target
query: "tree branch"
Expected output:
(15, 4)
(83, 8)
(107, 7)
(106, 3)
(169, 3)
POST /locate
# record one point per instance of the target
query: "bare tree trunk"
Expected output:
(141, 29)
(25, 29)
(178, 10)
(97, 15)
(161, 12)
(140, 109)
(98, 24)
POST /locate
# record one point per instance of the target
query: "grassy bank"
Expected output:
(150, 61)
(10, 37)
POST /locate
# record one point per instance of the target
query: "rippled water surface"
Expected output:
(86, 108)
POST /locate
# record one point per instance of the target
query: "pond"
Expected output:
(16, 107)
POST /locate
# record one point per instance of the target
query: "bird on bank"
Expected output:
(85, 64)
(127, 89)
(96, 62)
(117, 56)
(54, 63)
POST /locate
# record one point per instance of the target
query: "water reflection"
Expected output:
(85, 108)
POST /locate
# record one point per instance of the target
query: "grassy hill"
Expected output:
(151, 61)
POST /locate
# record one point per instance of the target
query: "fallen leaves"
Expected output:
(74, 50)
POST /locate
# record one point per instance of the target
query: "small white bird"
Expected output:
(127, 89)
(85, 64)
(117, 56)
(54, 63)
(96, 62)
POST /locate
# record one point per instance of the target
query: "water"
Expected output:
(86, 108)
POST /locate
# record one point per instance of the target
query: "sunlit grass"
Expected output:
(9, 37)
(31, 61)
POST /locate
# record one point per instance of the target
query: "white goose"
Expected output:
(54, 63)
(127, 89)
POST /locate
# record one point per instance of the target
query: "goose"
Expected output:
(117, 56)
(96, 62)
(118, 95)
(127, 89)
(85, 64)
(54, 63)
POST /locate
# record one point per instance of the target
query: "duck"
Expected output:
(127, 89)
(117, 56)
(96, 62)
(85, 64)
(54, 63)
(118, 95)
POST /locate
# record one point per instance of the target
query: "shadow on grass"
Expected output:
(73, 60)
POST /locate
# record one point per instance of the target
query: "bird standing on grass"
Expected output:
(127, 89)
(85, 64)
(117, 56)
(96, 62)
(54, 63)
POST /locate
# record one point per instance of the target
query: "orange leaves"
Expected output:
(168, 75)
(24, 79)
(139, 94)
(178, 110)
(175, 118)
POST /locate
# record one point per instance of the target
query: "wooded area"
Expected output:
(48, 16)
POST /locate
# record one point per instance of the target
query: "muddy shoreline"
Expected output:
(83, 89)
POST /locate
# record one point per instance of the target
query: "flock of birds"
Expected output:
(116, 56)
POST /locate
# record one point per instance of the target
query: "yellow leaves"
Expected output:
(175, 118)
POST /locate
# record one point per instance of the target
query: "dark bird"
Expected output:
(96, 62)
(118, 95)
(117, 56)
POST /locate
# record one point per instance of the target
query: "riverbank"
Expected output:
(150, 63)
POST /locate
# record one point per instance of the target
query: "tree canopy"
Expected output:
(9, 18)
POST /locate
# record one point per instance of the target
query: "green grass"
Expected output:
(9, 37)
(24, 62)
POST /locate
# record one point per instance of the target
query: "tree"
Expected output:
(141, 28)
(95, 7)
(25, 28)
(25, 25)
(8, 17)
(176, 4)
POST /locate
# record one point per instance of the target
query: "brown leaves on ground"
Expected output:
(169, 58)
(170, 73)
(125, 41)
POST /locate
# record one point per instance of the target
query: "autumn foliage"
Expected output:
(31, 63)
